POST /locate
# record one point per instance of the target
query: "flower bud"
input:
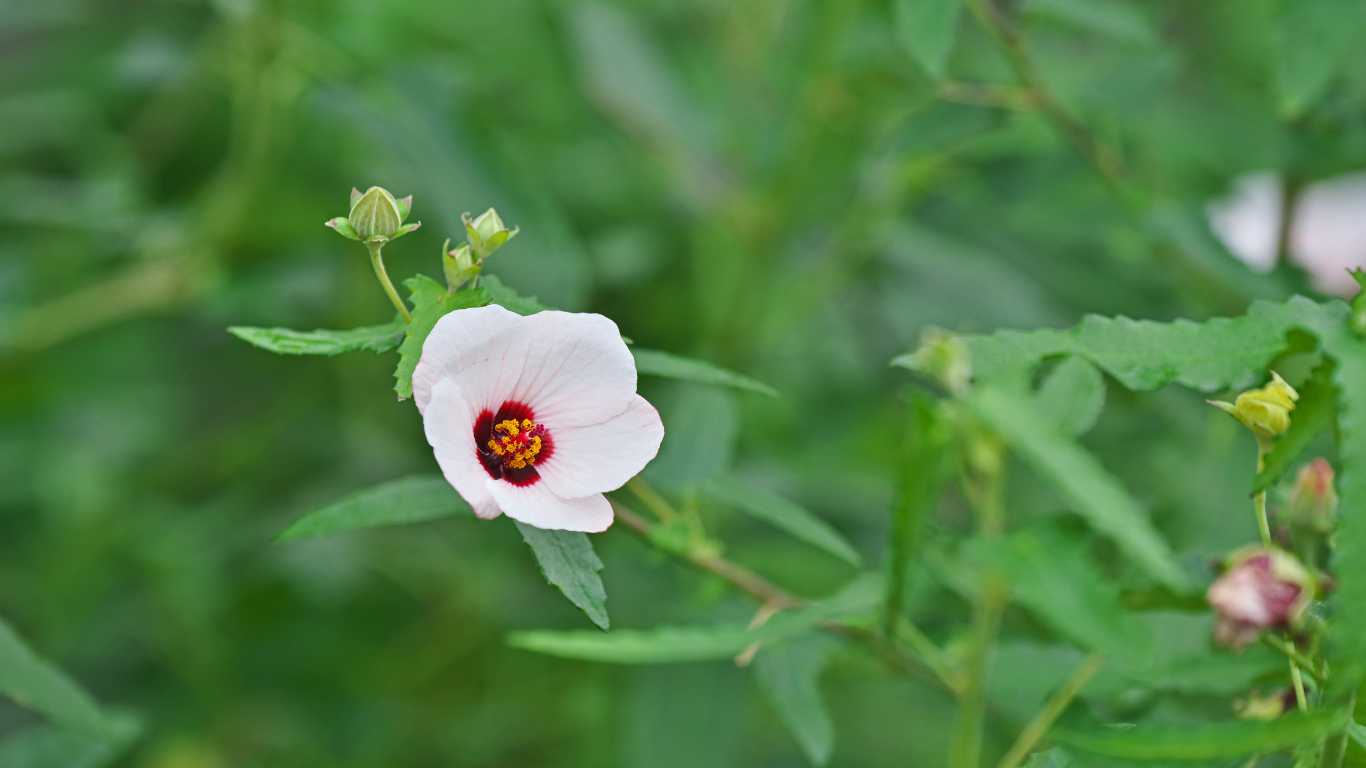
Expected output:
(1265, 411)
(486, 233)
(375, 217)
(943, 357)
(1261, 588)
(1313, 503)
(458, 264)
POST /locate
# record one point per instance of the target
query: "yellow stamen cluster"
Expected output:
(514, 443)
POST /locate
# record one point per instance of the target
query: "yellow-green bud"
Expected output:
(486, 233)
(458, 264)
(1265, 411)
(376, 216)
(943, 357)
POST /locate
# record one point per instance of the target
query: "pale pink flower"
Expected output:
(534, 416)
(1261, 589)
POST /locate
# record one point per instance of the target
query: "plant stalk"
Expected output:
(377, 261)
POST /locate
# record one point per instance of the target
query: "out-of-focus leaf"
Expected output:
(1196, 741)
(700, 425)
(789, 673)
(923, 472)
(784, 515)
(430, 302)
(1072, 396)
(1217, 354)
(1053, 758)
(46, 746)
(1111, 18)
(36, 684)
(499, 293)
(568, 561)
(928, 28)
(285, 341)
(1313, 41)
(1313, 414)
(397, 502)
(653, 363)
(663, 645)
(1094, 493)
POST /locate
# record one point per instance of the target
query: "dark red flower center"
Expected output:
(510, 443)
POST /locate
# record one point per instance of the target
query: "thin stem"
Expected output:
(652, 499)
(1259, 500)
(1052, 710)
(1301, 700)
(1285, 232)
(1291, 653)
(377, 261)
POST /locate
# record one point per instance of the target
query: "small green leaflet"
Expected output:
(665, 645)
(34, 683)
(653, 363)
(430, 302)
(1072, 396)
(397, 502)
(784, 515)
(789, 673)
(284, 341)
(1202, 742)
(568, 561)
(1312, 415)
(927, 29)
(1095, 494)
(47, 746)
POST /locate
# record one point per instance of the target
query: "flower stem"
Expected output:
(1294, 655)
(1052, 709)
(1259, 500)
(377, 261)
(1264, 528)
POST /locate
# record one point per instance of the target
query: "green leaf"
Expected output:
(1313, 42)
(1222, 353)
(783, 515)
(500, 294)
(285, 341)
(568, 561)
(927, 29)
(36, 684)
(46, 746)
(702, 423)
(1202, 741)
(1113, 19)
(1072, 396)
(397, 502)
(1094, 493)
(430, 302)
(653, 363)
(666, 645)
(1313, 414)
(924, 470)
(789, 674)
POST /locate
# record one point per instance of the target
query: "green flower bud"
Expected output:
(486, 233)
(458, 264)
(943, 357)
(375, 217)
(1265, 411)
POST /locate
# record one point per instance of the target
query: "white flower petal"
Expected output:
(449, 424)
(451, 341)
(576, 369)
(602, 457)
(536, 505)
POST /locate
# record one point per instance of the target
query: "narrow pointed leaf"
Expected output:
(789, 674)
(47, 746)
(36, 684)
(650, 362)
(569, 563)
(783, 515)
(1202, 741)
(927, 29)
(286, 341)
(397, 502)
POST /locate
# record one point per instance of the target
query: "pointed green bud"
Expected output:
(943, 357)
(1265, 411)
(458, 265)
(377, 217)
(486, 233)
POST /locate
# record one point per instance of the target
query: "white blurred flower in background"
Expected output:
(1327, 237)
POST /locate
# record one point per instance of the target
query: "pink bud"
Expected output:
(1261, 589)
(1314, 502)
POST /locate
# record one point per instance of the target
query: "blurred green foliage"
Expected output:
(792, 190)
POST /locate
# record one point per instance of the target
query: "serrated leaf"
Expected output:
(1222, 353)
(783, 515)
(1313, 41)
(650, 362)
(1093, 492)
(928, 29)
(36, 684)
(46, 746)
(286, 341)
(430, 302)
(1313, 414)
(666, 645)
(500, 294)
(789, 674)
(568, 562)
(1202, 741)
(397, 502)
(1072, 396)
